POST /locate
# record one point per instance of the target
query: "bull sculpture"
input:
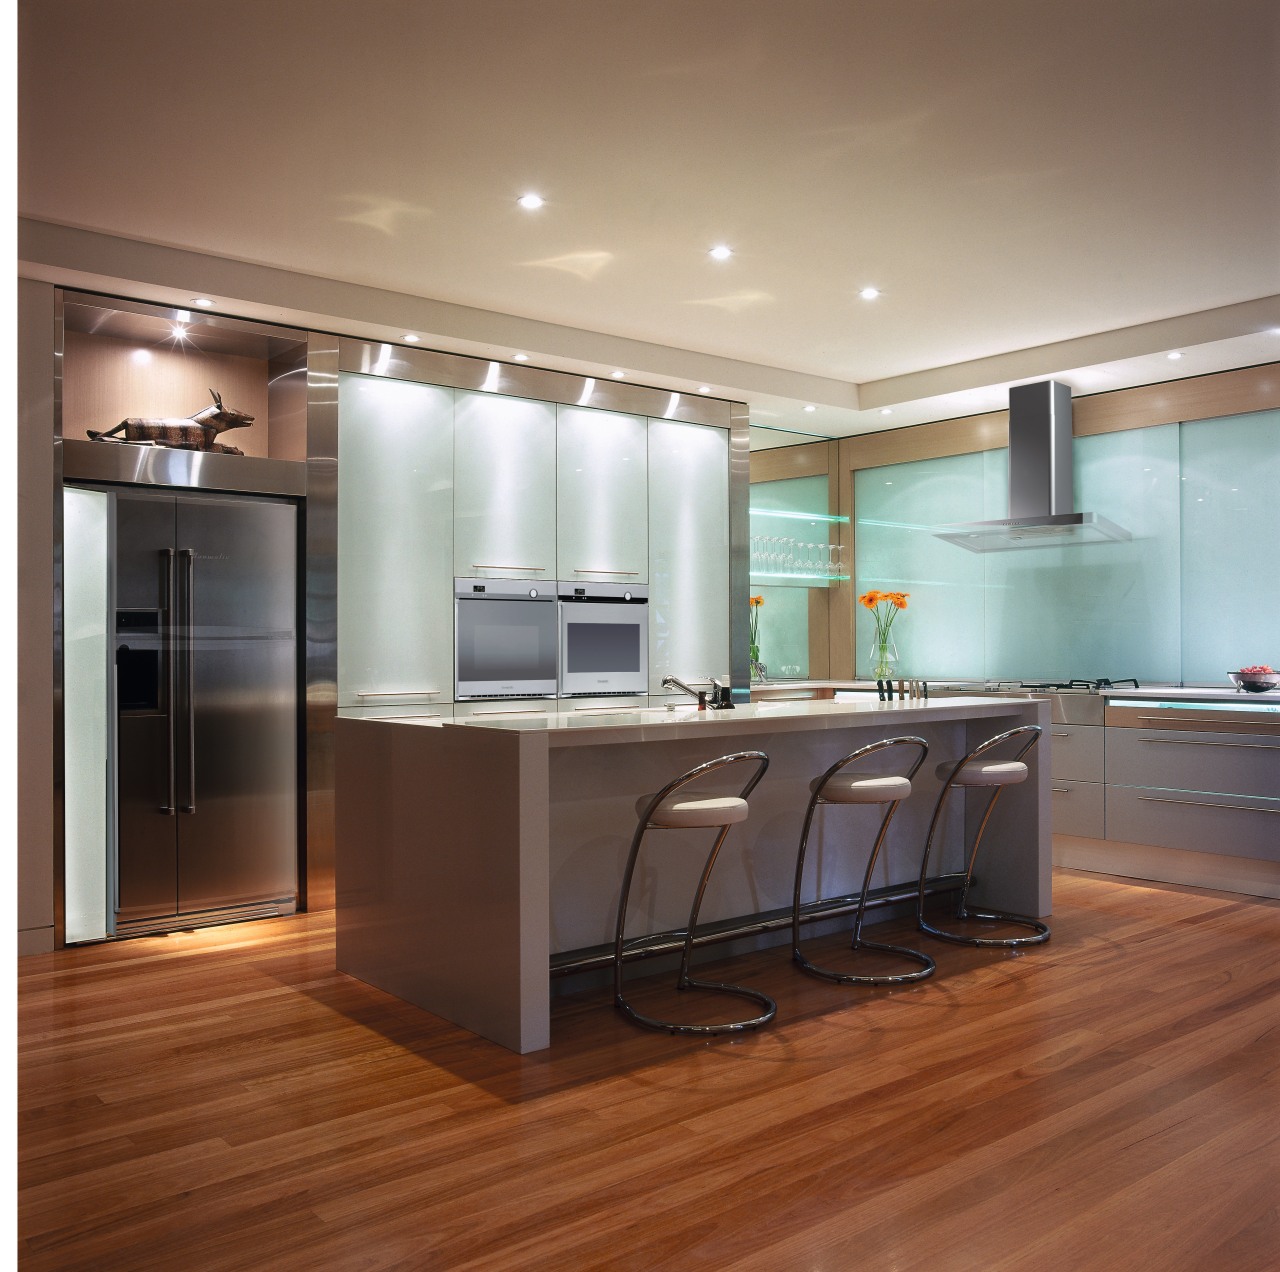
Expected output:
(196, 432)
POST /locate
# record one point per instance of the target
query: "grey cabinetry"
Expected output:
(1196, 789)
(1078, 798)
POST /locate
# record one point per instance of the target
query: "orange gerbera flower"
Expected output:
(871, 599)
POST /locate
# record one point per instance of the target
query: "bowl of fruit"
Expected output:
(1257, 679)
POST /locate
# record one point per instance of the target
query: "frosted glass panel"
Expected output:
(602, 494)
(1050, 613)
(1231, 537)
(688, 552)
(1096, 609)
(395, 543)
(87, 711)
(941, 633)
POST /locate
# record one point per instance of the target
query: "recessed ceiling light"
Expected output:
(410, 338)
(202, 302)
(522, 357)
(720, 252)
(616, 375)
(810, 408)
(179, 331)
(869, 293)
(1174, 356)
(704, 388)
(530, 201)
(885, 410)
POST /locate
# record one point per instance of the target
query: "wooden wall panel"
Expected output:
(1203, 397)
(103, 384)
(781, 462)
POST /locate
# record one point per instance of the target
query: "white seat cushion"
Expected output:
(677, 811)
(987, 773)
(847, 789)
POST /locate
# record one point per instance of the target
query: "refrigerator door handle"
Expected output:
(188, 650)
(166, 644)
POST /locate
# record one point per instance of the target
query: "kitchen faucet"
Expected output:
(674, 682)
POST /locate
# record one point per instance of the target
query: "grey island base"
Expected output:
(470, 853)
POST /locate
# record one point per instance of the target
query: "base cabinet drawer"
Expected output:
(1076, 752)
(1230, 763)
(1078, 808)
(1233, 825)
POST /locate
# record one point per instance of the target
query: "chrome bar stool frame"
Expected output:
(1039, 931)
(927, 965)
(685, 981)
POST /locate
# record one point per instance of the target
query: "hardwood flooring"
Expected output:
(227, 1100)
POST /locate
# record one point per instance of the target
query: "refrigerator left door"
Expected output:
(236, 752)
(145, 774)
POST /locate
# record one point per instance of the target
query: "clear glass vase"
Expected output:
(884, 659)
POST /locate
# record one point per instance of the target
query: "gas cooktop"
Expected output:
(1062, 686)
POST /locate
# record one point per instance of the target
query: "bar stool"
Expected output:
(993, 775)
(836, 786)
(669, 810)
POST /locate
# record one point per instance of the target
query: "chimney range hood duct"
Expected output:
(1040, 495)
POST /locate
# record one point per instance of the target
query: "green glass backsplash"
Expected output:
(1183, 600)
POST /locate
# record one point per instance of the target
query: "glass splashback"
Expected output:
(1182, 601)
(1230, 539)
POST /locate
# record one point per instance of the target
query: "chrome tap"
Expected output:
(674, 682)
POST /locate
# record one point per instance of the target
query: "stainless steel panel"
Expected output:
(321, 618)
(739, 555)
(181, 469)
(453, 370)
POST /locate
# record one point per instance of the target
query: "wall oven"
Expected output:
(604, 638)
(505, 637)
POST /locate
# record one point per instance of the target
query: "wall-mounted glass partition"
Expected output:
(1182, 600)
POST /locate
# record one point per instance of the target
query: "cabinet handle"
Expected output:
(394, 693)
(1212, 720)
(1253, 746)
(525, 711)
(1061, 735)
(583, 569)
(1204, 803)
(537, 569)
(1061, 790)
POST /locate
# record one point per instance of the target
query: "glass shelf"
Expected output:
(808, 578)
(798, 516)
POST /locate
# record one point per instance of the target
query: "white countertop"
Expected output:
(659, 724)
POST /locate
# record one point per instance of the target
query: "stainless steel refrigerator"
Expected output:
(207, 709)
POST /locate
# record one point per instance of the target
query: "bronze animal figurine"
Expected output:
(197, 432)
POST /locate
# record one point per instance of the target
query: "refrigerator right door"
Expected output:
(237, 754)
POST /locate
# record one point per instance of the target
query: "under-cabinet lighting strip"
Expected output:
(809, 578)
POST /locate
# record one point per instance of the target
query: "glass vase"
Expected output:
(884, 659)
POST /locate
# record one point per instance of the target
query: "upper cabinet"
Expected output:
(504, 488)
(688, 552)
(395, 543)
(601, 497)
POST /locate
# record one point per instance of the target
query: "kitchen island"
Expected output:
(471, 852)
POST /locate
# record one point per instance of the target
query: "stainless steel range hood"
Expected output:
(1040, 495)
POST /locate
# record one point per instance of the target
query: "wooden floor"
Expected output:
(226, 1099)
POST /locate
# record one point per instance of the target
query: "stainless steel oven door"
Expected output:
(604, 647)
(504, 640)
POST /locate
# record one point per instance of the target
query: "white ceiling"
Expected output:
(1038, 187)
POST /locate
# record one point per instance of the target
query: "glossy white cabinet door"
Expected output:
(602, 496)
(688, 552)
(505, 488)
(395, 543)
